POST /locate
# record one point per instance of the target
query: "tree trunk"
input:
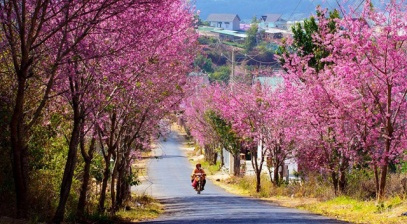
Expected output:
(126, 186)
(107, 156)
(342, 181)
(389, 130)
(215, 158)
(222, 158)
(106, 174)
(236, 164)
(208, 154)
(84, 189)
(342, 178)
(112, 187)
(70, 165)
(87, 157)
(334, 176)
(275, 175)
(256, 168)
(376, 177)
(119, 186)
(382, 186)
(20, 151)
(124, 169)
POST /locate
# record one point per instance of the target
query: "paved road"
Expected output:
(169, 182)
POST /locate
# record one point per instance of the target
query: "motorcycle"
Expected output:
(198, 182)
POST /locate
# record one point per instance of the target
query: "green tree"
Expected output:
(200, 22)
(303, 42)
(203, 63)
(229, 140)
(251, 39)
(221, 74)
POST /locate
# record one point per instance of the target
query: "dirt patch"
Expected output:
(291, 202)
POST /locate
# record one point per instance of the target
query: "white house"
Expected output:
(225, 21)
(272, 21)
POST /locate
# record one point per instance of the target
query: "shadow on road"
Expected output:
(225, 209)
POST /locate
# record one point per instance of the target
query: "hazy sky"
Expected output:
(246, 9)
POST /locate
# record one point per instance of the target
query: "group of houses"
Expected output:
(230, 26)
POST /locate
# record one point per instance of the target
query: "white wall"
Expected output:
(235, 25)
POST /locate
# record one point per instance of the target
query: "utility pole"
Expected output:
(232, 78)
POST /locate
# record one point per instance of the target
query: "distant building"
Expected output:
(224, 21)
(274, 34)
(291, 24)
(272, 21)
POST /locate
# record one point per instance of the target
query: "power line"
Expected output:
(359, 5)
(262, 62)
(295, 9)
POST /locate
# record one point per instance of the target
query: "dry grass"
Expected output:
(317, 197)
(141, 208)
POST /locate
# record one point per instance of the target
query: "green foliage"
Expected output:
(97, 168)
(132, 179)
(251, 39)
(221, 74)
(204, 63)
(228, 137)
(233, 44)
(255, 20)
(200, 22)
(217, 58)
(267, 47)
(403, 167)
(360, 184)
(204, 40)
(211, 169)
(303, 42)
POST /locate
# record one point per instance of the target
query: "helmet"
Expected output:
(198, 165)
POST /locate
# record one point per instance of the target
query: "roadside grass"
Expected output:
(317, 196)
(140, 208)
(357, 211)
(144, 208)
(210, 169)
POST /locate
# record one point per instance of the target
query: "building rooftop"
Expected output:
(231, 32)
(222, 17)
(270, 18)
(275, 30)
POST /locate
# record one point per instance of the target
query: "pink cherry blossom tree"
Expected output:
(356, 102)
(38, 36)
(370, 59)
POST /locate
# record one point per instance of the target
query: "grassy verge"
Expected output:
(356, 211)
(141, 207)
(145, 208)
(210, 169)
(316, 199)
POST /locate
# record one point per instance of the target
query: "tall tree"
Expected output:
(39, 35)
(304, 43)
(251, 39)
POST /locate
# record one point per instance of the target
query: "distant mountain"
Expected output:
(246, 9)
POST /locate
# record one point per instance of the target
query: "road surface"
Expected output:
(168, 181)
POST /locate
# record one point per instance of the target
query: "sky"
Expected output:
(247, 9)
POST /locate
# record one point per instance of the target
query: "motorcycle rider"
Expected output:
(199, 169)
